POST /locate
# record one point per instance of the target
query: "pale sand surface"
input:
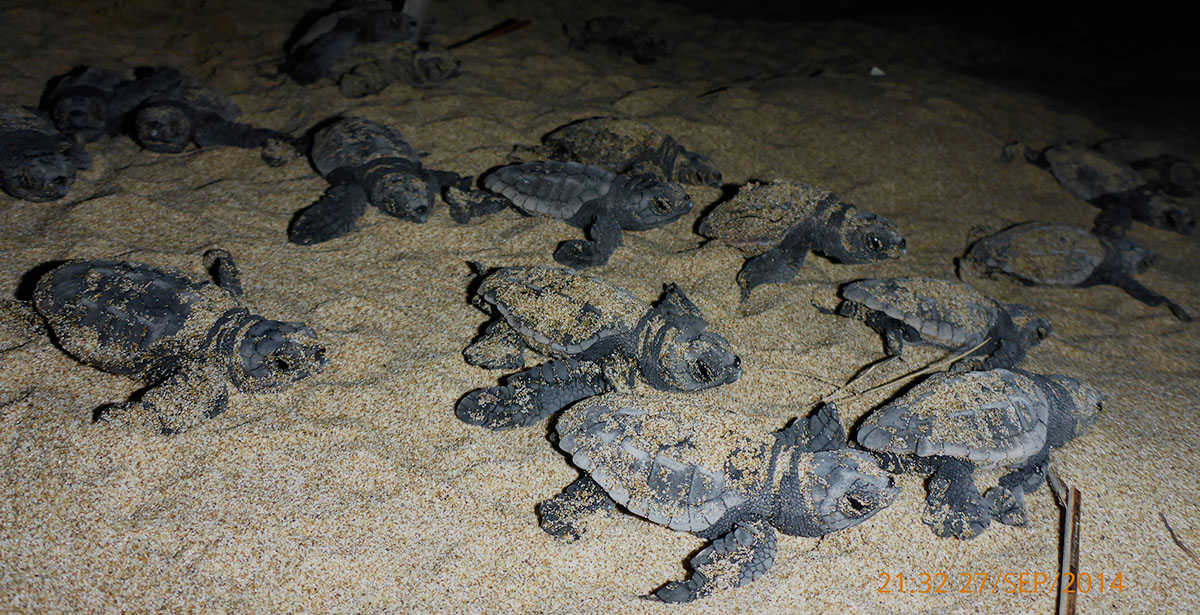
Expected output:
(358, 491)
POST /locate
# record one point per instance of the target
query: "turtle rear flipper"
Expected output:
(820, 431)
(954, 507)
(559, 516)
(333, 215)
(773, 267)
(736, 558)
(498, 347)
(532, 395)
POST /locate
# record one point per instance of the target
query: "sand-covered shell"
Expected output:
(557, 189)
(628, 146)
(14, 118)
(124, 317)
(946, 312)
(988, 417)
(667, 458)
(199, 97)
(1088, 174)
(354, 141)
(559, 310)
(760, 215)
(1042, 253)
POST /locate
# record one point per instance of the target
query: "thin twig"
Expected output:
(1068, 570)
(932, 367)
(1178, 542)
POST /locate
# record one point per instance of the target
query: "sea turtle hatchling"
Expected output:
(91, 102)
(1064, 255)
(188, 341)
(325, 35)
(587, 196)
(191, 112)
(599, 337)
(712, 472)
(365, 163)
(776, 225)
(952, 422)
(37, 162)
(946, 313)
(625, 146)
(1117, 189)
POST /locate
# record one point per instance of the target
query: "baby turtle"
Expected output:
(1120, 191)
(371, 68)
(191, 112)
(188, 341)
(91, 102)
(324, 36)
(946, 313)
(37, 162)
(626, 146)
(1064, 255)
(365, 163)
(952, 422)
(776, 225)
(587, 196)
(599, 336)
(618, 37)
(712, 472)
(1168, 172)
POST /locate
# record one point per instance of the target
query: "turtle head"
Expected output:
(1032, 330)
(1086, 401)
(678, 354)
(697, 170)
(866, 237)
(653, 203)
(43, 171)
(400, 189)
(392, 27)
(827, 491)
(274, 354)
(164, 128)
(81, 114)
(1135, 258)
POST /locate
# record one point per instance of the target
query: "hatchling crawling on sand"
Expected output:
(953, 422)
(1119, 190)
(37, 162)
(946, 313)
(599, 338)
(776, 225)
(188, 341)
(191, 112)
(711, 472)
(1064, 255)
(366, 163)
(91, 102)
(589, 197)
(324, 36)
(625, 146)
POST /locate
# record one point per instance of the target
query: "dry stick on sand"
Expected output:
(1178, 542)
(932, 367)
(1069, 497)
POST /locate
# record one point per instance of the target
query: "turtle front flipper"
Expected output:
(559, 516)
(214, 131)
(219, 264)
(954, 507)
(182, 401)
(772, 267)
(604, 238)
(530, 396)
(1136, 290)
(333, 215)
(736, 558)
(1007, 500)
(309, 64)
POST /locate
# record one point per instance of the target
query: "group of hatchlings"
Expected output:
(660, 454)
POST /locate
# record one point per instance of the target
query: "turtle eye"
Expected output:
(660, 206)
(856, 503)
(874, 243)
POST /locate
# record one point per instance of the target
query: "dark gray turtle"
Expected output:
(324, 36)
(372, 68)
(951, 423)
(190, 112)
(1162, 169)
(625, 146)
(599, 337)
(776, 225)
(37, 162)
(590, 197)
(188, 341)
(618, 37)
(946, 313)
(366, 163)
(91, 102)
(1120, 191)
(712, 472)
(1064, 255)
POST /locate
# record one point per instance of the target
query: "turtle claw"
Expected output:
(1007, 507)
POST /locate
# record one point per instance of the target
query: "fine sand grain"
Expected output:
(358, 491)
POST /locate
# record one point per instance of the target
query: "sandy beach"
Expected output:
(359, 491)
